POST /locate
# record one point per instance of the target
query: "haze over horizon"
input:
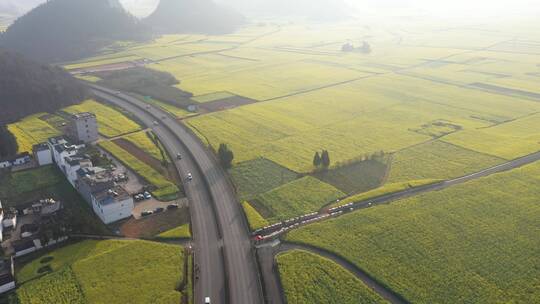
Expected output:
(456, 8)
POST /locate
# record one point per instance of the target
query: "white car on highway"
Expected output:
(189, 176)
(207, 300)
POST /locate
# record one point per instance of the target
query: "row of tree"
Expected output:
(321, 160)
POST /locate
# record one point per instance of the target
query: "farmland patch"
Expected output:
(105, 272)
(298, 197)
(309, 278)
(358, 176)
(258, 176)
(111, 122)
(438, 160)
(472, 241)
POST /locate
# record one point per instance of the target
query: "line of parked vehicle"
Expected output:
(142, 196)
(158, 210)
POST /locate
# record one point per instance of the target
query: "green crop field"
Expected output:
(298, 197)
(255, 219)
(437, 160)
(476, 242)
(441, 104)
(111, 122)
(32, 130)
(104, 272)
(181, 232)
(165, 189)
(142, 140)
(308, 278)
(258, 176)
(17, 184)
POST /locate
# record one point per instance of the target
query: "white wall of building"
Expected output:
(44, 157)
(111, 213)
(7, 287)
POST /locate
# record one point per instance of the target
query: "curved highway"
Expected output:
(227, 271)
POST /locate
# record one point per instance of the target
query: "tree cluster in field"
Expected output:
(364, 48)
(379, 156)
(147, 82)
(27, 87)
(225, 155)
(64, 30)
(321, 160)
(8, 143)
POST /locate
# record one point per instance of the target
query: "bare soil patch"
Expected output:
(153, 225)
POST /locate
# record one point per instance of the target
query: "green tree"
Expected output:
(325, 159)
(225, 155)
(317, 160)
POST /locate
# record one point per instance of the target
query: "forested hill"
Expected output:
(27, 87)
(194, 16)
(64, 30)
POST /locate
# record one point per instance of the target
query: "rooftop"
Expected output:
(111, 196)
(83, 115)
(40, 147)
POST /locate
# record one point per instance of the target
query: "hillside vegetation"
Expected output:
(475, 243)
(194, 16)
(63, 30)
(27, 87)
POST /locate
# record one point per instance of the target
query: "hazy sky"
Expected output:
(434, 7)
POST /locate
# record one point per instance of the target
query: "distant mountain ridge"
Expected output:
(315, 10)
(64, 30)
(27, 87)
(194, 16)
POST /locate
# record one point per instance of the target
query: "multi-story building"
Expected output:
(96, 185)
(83, 127)
(42, 154)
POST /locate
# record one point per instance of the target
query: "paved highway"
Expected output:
(223, 252)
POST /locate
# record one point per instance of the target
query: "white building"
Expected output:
(72, 164)
(112, 205)
(5, 164)
(83, 127)
(16, 160)
(7, 275)
(43, 154)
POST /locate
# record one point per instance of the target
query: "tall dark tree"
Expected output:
(27, 87)
(317, 160)
(325, 159)
(8, 143)
(225, 155)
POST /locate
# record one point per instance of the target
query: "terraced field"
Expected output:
(309, 278)
(97, 272)
(473, 242)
